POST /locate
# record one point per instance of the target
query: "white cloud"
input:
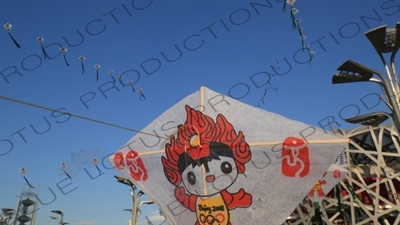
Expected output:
(155, 218)
(87, 222)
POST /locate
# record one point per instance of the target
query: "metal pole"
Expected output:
(134, 205)
(137, 212)
(392, 79)
(392, 100)
(62, 219)
(17, 209)
(35, 208)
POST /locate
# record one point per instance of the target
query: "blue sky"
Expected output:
(228, 46)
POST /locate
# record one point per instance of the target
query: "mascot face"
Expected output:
(209, 175)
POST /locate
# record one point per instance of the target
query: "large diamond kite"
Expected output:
(212, 160)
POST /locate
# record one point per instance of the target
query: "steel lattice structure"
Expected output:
(370, 194)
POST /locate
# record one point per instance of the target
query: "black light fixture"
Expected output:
(124, 180)
(7, 210)
(370, 119)
(57, 212)
(351, 71)
(385, 39)
(54, 218)
(146, 202)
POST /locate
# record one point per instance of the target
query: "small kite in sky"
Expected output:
(303, 37)
(131, 84)
(289, 2)
(82, 59)
(23, 171)
(310, 52)
(293, 12)
(81, 160)
(63, 167)
(41, 40)
(300, 29)
(297, 22)
(263, 97)
(270, 87)
(296, 25)
(8, 27)
(141, 95)
(97, 67)
(120, 77)
(111, 74)
(63, 51)
(95, 164)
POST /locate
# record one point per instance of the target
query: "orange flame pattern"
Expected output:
(208, 131)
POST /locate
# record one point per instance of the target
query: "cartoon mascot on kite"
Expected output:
(203, 161)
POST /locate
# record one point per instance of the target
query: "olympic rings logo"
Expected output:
(210, 219)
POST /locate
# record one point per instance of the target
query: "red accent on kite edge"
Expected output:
(119, 160)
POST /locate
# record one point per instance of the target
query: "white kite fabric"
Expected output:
(322, 187)
(211, 159)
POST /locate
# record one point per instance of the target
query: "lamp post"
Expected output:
(136, 203)
(384, 40)
(59, 212)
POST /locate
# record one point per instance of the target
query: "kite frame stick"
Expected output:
(272, 143)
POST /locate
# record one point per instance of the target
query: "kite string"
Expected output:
(80, 117)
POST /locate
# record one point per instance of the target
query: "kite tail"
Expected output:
(98, 169)
(67, 175)
(141, 95)
(15, 42)
(46, 56)
(299, 29)
(133, 89)
(97, 75)
(28, 182)
(317, 213)
(113, 78)
(65, 59)
(83, 69)
(294, 25)
(283, 7)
